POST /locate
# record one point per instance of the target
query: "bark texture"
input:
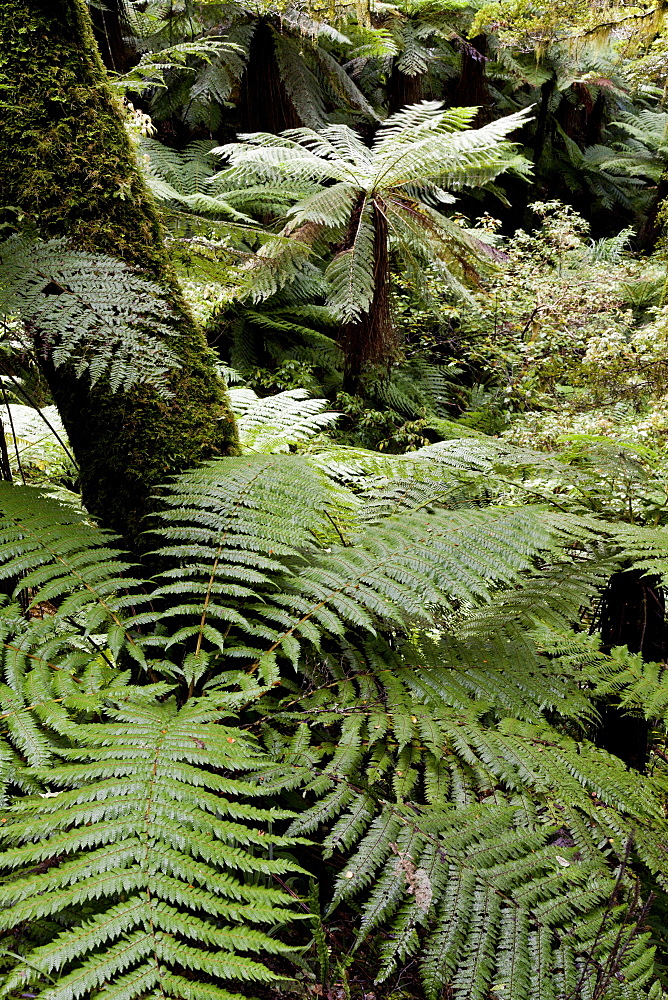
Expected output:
(264, 103)
(472, 86)
(67, 168)
(403, 90)
(111, 36)
(371, 338)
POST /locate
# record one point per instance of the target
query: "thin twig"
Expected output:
(14, 438)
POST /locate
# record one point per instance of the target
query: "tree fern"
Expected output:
(200, 73)
(380, 194)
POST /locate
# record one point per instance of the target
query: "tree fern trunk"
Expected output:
(110, 34)
(472, 87)
(403, 89)
(372, 337)
(632, 614)
(68, 169)
(264, 104)
(542, 119)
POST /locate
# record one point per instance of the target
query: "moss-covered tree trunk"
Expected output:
(67, 168)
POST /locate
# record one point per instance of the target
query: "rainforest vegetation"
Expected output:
(333, 500)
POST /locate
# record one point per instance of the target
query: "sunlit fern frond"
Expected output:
(88, 310)
(276, 423)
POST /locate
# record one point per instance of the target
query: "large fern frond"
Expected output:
(436, 152)
(227, 521)
(157, 851)
(299, 81)
(514, 816)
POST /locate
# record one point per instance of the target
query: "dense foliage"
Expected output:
(377, 706)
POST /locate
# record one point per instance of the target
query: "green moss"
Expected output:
(67, 169)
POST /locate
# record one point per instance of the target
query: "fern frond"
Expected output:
(160, 894)
(340, 82)
(330, 207)
(182, 179)
(89, 310)
(349, 276)
(57, 555)
(299, 82)
(264, 157)
(277, 422)
(413, 863)
(645, 547)
(227, 521)
(281, 261)
(220, 62)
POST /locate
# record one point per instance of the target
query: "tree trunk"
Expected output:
(472, 87)
(581, 117)
(110, 34)
(67, 169)
(594, 121)
(372, 337)
(264, 103)
(632, 614)
(542, 118)
(403, 90)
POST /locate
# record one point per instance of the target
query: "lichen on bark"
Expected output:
(67, 168)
